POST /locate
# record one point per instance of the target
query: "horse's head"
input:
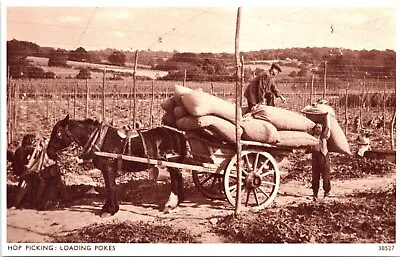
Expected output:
(67, 131)
(60, 138)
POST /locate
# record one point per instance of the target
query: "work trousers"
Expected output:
(320, 168)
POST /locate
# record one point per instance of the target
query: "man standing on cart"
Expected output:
(262, 89)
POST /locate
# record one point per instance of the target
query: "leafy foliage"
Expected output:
(84, 73)
(368, 217)
(126, 232)
(117, 58)
(58, 58)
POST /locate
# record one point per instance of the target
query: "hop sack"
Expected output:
(282, 119)
(296, 139)
(179, 91)
(199, 103)
(259, 130)
(223, 127)
(168, 105)
(337, 142)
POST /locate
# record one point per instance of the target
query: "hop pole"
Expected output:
(238, 115)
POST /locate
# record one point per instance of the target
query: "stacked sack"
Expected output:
(271, 124)
(337, 141)
(192, 109)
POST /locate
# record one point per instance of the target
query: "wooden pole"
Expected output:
(75, 91)
(238, 114)
(87, 99)
(16, 100)
(325, 64)
(103, 117)
(384, 107)
(184, 78)
(392, 145)
(346, 118)
(8, 105)
(134, 92)
(151, 103)
(312, 89)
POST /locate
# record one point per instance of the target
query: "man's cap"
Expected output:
(276, 66)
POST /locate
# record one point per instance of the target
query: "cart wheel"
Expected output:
(260, 179)
(209, 184)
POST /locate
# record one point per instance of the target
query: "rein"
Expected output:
(96, 140)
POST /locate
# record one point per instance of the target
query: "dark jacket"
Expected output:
(261, 87)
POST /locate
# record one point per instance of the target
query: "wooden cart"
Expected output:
(214, 169)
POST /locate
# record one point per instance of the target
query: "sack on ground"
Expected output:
(296, 139)
(223, 127)
(282, 119)
(199, 103)
(259, 130)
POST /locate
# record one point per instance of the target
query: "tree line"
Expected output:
(341, 63)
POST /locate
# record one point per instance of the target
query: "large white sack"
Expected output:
(282, 119)
(199, 103)
(296, 139)
(223, 127)
(168, 105)
(337, 142)
(315, 112)
(259, 130)
(179, 91)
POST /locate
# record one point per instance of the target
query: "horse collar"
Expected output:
(95, 140)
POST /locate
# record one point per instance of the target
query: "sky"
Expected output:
(203, 28)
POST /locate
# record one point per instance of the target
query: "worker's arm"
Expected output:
(274, 89)
(327, 131)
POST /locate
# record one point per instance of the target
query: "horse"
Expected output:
(161, 143)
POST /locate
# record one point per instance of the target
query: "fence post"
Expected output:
(184, 79)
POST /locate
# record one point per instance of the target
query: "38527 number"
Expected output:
(386, 247)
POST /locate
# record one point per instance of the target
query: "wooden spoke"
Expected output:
(206, 180)
(256, 162)
(262, 191)
(267, 173)
(268, 183)
(247, 198)
(263, 166)
(256, 197)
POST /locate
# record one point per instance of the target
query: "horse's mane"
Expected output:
(91, 121)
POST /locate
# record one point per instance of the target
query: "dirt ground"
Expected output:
(143, 199)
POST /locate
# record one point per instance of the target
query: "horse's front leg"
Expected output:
(109, 173)
(176, 196)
